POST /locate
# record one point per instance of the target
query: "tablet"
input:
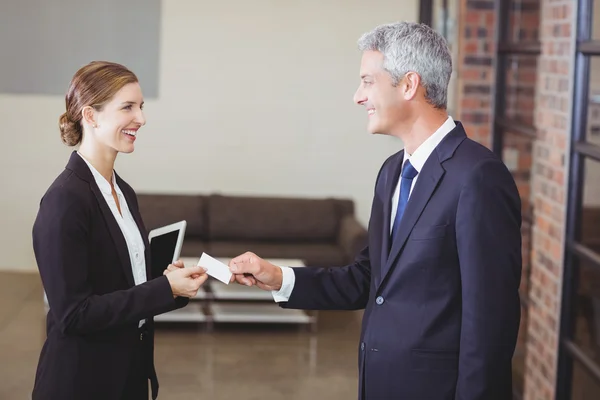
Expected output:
(165, 246)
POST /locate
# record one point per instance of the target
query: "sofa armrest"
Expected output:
(352, 237)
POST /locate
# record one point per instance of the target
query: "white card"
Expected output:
(215, 268)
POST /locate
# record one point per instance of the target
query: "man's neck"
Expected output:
(421, 128)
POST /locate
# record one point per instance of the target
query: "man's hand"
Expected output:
(249, 269)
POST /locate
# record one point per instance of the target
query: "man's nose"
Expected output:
(359, 96)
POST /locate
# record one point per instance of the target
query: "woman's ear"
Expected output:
(88, 115)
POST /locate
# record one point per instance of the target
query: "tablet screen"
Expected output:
(162, 250)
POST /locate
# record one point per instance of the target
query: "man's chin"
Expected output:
(375, 131)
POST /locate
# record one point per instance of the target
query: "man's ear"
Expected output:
(410, 85)
(88, 115)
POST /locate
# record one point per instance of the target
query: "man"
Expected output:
(439, 277)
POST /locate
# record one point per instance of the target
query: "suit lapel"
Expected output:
(390, 185)
(135, 213)
(427, 181)
(115, 233)
(79, 167)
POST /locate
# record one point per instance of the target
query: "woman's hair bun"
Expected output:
(70, 131)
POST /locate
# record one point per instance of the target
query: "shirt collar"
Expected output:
(422, 153)
(102, 183)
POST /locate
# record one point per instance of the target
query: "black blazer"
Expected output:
(95, 307)
(442, 301)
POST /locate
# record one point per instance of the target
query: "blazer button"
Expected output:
(379, 300)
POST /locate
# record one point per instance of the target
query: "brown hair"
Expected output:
(93, 85)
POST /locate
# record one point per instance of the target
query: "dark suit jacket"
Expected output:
(442, 301)
(95, 308)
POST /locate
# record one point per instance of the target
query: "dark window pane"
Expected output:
(518, 363)
(587, 295)
(590, 208)
(584, 386)
(593, 117)
(517, 155)
(521, 78)
(587, 310)
(523, 20)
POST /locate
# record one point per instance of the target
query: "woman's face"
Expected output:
(116, 126)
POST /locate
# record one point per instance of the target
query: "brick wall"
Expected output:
(550, 161)
(475, 68)
(538, 93)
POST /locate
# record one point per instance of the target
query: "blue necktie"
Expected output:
(407, 175)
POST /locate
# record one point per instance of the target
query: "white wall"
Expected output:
(255, 98)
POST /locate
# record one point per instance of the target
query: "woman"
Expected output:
(92, 251)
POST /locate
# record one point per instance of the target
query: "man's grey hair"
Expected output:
(408, 46)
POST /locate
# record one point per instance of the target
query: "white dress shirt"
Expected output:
(417, 159)
(130, 230)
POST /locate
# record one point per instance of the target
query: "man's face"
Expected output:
(384, 101)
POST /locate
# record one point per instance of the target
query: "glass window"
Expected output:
(521, 78)
(587, 295)
(584, 386)
(590, 208)
(596, 21)
(444, 20)
(593, 117)
(523, 20)
(516, 154)
(518, 362)
(587, 310)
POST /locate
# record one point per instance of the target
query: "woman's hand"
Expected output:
(185, 282)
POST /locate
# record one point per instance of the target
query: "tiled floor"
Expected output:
(234, 362)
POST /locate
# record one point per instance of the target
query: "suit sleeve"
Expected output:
(488, 235)
(336, 288)
(61, 242)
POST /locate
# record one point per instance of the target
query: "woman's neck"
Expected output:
(102, 159)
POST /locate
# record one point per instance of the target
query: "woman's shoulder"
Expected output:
(67, 190)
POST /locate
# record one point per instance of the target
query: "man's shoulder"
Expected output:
(469, 154)
(472, 162)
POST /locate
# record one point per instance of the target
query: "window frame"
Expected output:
(580, 151)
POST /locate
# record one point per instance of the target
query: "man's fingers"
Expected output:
(245, 280)
(243, 258)
(248, 263)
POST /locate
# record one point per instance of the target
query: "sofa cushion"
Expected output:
(313, 254)
(274, 219)
(161, 209)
